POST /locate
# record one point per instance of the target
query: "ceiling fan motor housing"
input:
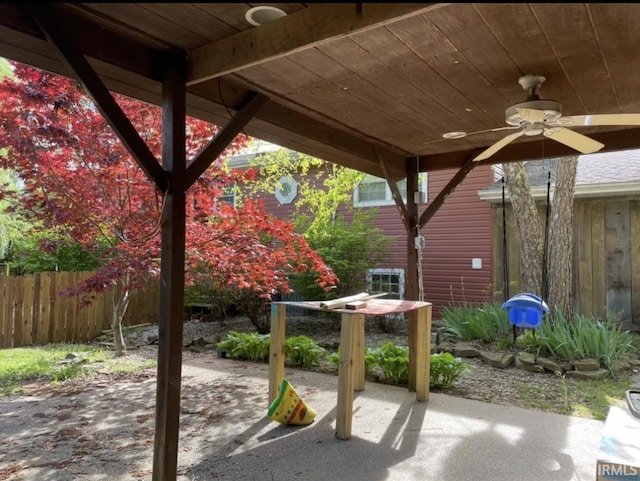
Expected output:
(550, 109)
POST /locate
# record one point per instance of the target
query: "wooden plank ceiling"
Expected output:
(355, 83)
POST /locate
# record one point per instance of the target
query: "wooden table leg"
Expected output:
(359, 347)
(344, 409)
(423, 353)
(276, 349)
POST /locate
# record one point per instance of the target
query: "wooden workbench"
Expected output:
(351, 375)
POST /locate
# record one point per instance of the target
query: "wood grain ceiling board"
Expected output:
(138, 16)
(354, 85)
(580, 56)
(376, 83)
(517, 28)
(435, 49)
(433, 94)
(619, 39)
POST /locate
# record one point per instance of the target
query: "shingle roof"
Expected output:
(607, 168)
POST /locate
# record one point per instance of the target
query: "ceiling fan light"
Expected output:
(257, 16)
(533, 128)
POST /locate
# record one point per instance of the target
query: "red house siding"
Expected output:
(460, 231)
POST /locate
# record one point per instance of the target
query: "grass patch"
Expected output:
(534, 396)
(49, 363)
(592, 399)
(586, 399)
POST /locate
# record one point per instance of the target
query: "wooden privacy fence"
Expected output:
(31, 312)
(606, 257)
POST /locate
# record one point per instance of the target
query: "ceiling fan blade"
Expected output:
(531, 115)
(460, 134)
(579, 142)
(498, 145)
(600, 119)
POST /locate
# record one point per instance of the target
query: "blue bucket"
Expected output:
(526, 310)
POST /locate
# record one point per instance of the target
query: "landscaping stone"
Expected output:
(619, 366)
(527, 361)
(498, 359)
(445, 347)
(589, 375)
(586, 365)
(464, 349)
(551, 365)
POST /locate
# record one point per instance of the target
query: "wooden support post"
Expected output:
(412, 291)
(165, 452)
(276, 347)
(423, 352)
(358, 352)
(344, 410)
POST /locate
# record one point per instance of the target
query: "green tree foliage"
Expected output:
(346, 238)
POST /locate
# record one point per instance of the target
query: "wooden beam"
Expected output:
(92, 41)
(301, 30)
(102, 98)
(165, 451)
(455, 181)
(224, 137)
(395, 192)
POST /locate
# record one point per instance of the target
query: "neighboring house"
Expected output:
(457, 257)
(606, 232)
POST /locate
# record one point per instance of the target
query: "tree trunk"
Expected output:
(120, 303)
(560, 256)
(528, 225)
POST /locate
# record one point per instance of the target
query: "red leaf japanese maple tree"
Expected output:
(78, 176)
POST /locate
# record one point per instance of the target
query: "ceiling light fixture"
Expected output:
(257, 16)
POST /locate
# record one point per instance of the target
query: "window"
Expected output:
(228, 195)
(386, 280)
(374, 191)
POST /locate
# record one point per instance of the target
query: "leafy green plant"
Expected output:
(302, 351)
(528, 341)
(370, 360)
(487, 322)
(585, 337)
(445, 370)
(246, 346)
(393, 361)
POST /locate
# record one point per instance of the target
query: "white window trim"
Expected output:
(389, 272)
(388, 200)
(234, 193)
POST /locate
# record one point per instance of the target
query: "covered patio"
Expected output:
(370, 86)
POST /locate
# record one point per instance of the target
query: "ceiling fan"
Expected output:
(537, 116)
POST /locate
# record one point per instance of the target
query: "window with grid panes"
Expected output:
(374, 191)
(390, 281)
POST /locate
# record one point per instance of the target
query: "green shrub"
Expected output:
(246, 346)
(370, 360)
(445, 370)
(587, 338)
(302, 351)
(487, 322)
(529, 341)
(393, 361)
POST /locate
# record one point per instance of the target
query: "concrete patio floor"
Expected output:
(99, 430)
(396, 438)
